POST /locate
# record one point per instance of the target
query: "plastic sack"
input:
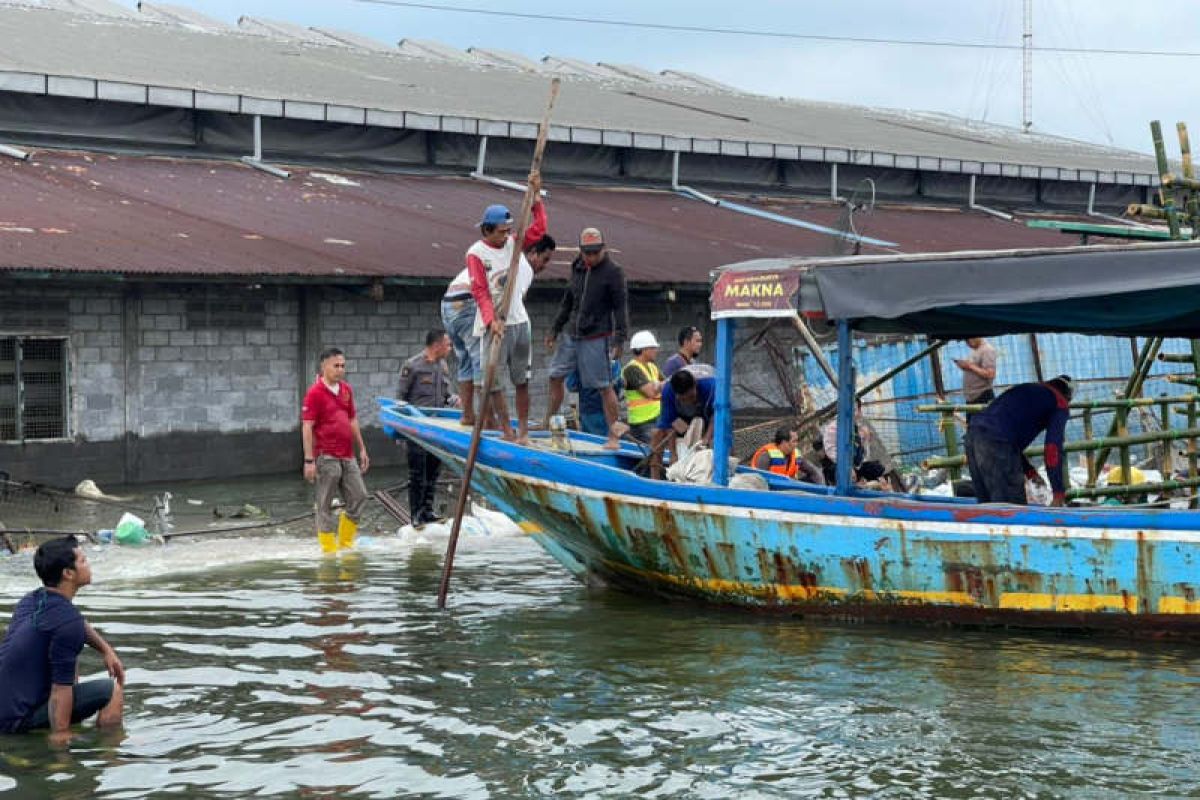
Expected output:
(131, 530)
(1038, 494)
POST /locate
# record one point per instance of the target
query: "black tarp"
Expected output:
(1122, 290)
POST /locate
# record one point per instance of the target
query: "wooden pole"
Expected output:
(1036, 352)
(489, 376)
(815, 348)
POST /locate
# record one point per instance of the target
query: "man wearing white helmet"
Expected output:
(488, 261)
(643, 386)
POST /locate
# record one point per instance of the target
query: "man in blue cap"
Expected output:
(488, 261)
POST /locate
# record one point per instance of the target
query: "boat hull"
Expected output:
(854, 558)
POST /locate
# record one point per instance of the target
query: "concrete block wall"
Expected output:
(96, 359)
(153, 398)
(220, 380)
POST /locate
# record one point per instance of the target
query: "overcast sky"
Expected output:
(1108, 99)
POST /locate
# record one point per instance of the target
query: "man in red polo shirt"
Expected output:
(330, 431)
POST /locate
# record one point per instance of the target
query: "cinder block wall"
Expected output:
(153, 397)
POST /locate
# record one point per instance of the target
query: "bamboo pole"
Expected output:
(1123, 448)
(1136, 402)
(489, 377)
(1138, 488)
(824, 410)
(1078, 447)
(1133, 387)
(1193, 461)
(815, 348)
(1164, 177)
(1192, 203)
(1177, 358)
(1090, 454)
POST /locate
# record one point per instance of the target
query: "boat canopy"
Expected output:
(1121, 290)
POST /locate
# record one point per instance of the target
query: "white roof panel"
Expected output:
(283, 30)
(40, 42)
(180, 15)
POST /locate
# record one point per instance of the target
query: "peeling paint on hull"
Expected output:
(849, 558)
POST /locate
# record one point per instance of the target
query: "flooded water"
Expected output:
(257, 667)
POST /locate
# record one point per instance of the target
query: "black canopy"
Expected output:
(1123, 290)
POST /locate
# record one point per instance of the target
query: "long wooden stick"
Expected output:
(489, 376)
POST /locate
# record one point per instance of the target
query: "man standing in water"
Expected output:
(39, 656)
(330, 431)
(425, 382)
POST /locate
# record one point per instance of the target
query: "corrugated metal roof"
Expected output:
(152, 216)
(51, 51)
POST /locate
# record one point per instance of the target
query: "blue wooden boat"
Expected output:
(848, 553)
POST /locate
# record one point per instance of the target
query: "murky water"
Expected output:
(259, 668)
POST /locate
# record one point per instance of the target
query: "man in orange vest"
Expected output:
(780, 457)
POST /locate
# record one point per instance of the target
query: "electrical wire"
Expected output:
(659, 26)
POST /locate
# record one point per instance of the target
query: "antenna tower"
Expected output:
(1027, 67)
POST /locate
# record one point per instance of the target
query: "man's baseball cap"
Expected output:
(496, 215)
(590, 240)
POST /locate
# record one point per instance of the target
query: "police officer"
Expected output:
(425, 382)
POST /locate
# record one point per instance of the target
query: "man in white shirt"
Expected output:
(487, 264)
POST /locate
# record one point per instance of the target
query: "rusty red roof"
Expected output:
(137, 215)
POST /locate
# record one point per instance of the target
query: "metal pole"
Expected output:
(845, 408)
(19, 385)
(481, 159)
(1027, 67)
(723, 432)
(257, 138)
(489, 377)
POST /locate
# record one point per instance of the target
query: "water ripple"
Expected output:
(283, 673)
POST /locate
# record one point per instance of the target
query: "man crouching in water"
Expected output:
(40, 652)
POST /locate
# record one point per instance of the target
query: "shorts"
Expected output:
(516, 352)
(588, 356)
(86, 700)
(458, 317)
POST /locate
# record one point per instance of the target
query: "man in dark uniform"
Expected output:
(425, 382)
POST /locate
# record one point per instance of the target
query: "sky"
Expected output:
(1106, 99)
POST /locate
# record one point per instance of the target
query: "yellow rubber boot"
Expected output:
(347, 528)
(327, 541)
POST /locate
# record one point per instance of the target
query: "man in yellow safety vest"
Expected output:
(643, 386)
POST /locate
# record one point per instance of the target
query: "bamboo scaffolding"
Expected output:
(1109, 442)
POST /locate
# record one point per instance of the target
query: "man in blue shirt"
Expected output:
(998, 435)
(39, 655)
(684, 398)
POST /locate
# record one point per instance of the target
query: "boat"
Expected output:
(851, 553)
